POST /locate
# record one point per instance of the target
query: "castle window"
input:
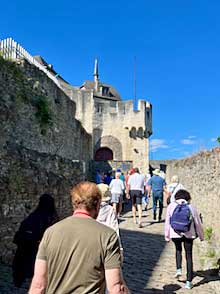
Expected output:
(99, 107)
(105, 91)
(113, 104)
(133, 133)
(140, 132)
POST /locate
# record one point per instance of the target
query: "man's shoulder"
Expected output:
(103, 228)
(78, 223)
(159, 178)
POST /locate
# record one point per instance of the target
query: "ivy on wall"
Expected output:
(26, 94)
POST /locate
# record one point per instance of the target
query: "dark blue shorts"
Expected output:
(136, 196)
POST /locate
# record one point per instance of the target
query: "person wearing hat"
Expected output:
(107, 215)
(157, 185)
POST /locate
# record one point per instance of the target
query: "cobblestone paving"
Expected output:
(149, 261)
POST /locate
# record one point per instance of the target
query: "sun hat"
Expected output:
(156, 172)
(106, 193)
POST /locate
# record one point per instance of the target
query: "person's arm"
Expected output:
(198, 224)
(115, 282)
(167, 225)
(39, 281)
(149, 183)
(164, 186)
(128, 187)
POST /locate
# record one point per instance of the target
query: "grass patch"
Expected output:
(211, 253)
(208, 233)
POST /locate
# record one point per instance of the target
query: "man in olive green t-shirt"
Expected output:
(78, 255)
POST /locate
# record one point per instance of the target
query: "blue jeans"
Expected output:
(158, 196)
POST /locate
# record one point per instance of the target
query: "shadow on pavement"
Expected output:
(210, 275)
(167, 289)
(140, 261)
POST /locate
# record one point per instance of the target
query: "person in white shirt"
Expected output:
(117, 189)
(172, 188)
(107, 215)
(136, 188)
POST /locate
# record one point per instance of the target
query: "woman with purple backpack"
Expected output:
(182, 226)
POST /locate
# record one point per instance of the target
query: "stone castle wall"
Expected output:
(43, 148)
(25, 175)
(28, 98)
(200, 175)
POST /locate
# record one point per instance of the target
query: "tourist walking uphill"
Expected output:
(157, 185)
(172, 188)
(78, 254)
(107, 215)
(182, 226)
(136, 188)
(117, 190)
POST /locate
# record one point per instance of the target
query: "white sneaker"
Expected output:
(188, 285)
(178, 273)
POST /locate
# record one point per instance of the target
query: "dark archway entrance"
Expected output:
(104, 153)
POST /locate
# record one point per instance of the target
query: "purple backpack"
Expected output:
(181, 218)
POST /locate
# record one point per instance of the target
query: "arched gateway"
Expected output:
(104, 153)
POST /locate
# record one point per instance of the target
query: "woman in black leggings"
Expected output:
(184, 239)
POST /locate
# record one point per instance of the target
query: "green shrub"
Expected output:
(43, 113)
(211, 253)
(208, 233)
(13, 70)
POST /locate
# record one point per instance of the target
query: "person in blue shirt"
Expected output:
(157, 185)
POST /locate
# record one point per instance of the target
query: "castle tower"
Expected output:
(120, 134)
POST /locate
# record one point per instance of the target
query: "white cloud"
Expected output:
(156, 144)
(188, 142)
(176, 150)
(213, 139)
(191, 137)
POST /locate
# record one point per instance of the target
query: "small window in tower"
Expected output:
(113, 104)
(105, 91)
(98, 107)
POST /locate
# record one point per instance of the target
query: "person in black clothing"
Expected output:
(28, 238)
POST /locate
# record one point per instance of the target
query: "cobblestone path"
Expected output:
(149, 261)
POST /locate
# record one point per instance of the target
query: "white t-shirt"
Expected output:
(172, 189)
(116, 186)
(136, 182)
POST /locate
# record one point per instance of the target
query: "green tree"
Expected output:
(218, 140)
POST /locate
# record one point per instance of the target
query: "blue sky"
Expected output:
(176, 45)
